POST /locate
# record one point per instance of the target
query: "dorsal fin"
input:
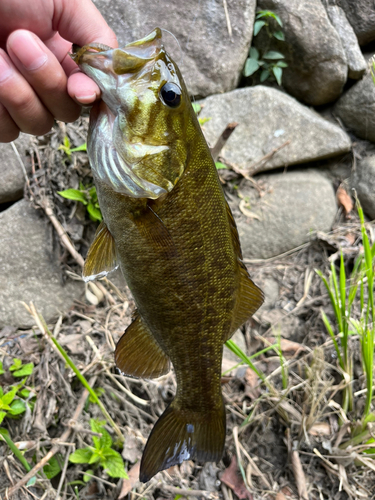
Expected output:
(101, 257)
(234, 232)
(249, 297)
(138, 354)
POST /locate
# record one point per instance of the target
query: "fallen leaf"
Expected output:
(320, 429)
(252, 384)
(232, 478)
(344, 200)
(128, 484)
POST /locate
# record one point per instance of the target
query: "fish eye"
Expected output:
(171, 95)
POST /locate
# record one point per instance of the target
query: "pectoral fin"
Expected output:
(138, 354)
(101, 257)
(152, 228)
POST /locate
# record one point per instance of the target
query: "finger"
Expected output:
(8, 129)
(20, 100)
(82, 88)
(82, 23)
(43, 72)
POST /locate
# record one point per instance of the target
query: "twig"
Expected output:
(227, 18)
(63, 474)
(109, 374)
(55, 449)
(258, 166)
(220, 143)
(185, 493)
(299, 475)
(21, 163)
(62, 234)
(44, 329)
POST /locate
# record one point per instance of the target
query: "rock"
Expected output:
(356, 108)
(11, 173)
(28, 270)
(209, 58)
(356, 62)
(271, 290)
(268, 118)
(317, 66)
(363, 180)
(361, 15)
(280, 322)
(296, 205)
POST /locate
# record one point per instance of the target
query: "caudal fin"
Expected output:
(181, 434)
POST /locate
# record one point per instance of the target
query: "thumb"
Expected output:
(80, 22)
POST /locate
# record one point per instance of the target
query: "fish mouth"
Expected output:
(129, 59)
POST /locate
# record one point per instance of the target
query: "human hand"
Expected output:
(39, 82)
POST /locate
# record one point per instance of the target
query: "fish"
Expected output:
(168, 226)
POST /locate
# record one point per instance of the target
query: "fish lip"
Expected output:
(95, 48)
(128, 59)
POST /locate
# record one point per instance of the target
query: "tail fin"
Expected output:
(181, 434)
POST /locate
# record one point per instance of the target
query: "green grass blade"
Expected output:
(5, 435)
(238, 352)
(329, 328)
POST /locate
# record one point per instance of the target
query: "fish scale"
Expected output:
(175, 240)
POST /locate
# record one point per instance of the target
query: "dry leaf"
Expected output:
(320, 429)
(251, 384)
(299, 476)
(280, 496)
(232, 478)
(344, 200)
(128, 484)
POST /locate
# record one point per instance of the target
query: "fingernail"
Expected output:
(86, 99)
(28, 51)
(5, 68)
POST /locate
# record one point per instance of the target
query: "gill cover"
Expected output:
(132, 145)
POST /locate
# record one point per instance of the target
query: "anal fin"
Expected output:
(101, 257)
(138, 354)
(249, 298)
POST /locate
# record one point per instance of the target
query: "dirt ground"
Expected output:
(285, 438)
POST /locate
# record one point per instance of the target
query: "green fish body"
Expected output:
(168, 225)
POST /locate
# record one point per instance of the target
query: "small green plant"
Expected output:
(101, 453)
(18, 369)
(68, 150)
(342, 292)
(10, 404)
(270, 62)
(86, 195)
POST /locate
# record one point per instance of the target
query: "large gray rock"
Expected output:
(267, 119)
(27, 269)
(356, 108)
(361, 15)
(356, 62)
(295, 206)
(317, 66)
(11, 172)
(210, 59)
(363, 180)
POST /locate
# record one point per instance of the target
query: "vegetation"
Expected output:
(269, 62)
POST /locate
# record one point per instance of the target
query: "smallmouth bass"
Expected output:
(168, 225)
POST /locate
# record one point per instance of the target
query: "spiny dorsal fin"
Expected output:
(101, 257)
(138, 354)
(249, 299)
(234, 232)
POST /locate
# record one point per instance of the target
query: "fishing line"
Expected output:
(178, 43)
